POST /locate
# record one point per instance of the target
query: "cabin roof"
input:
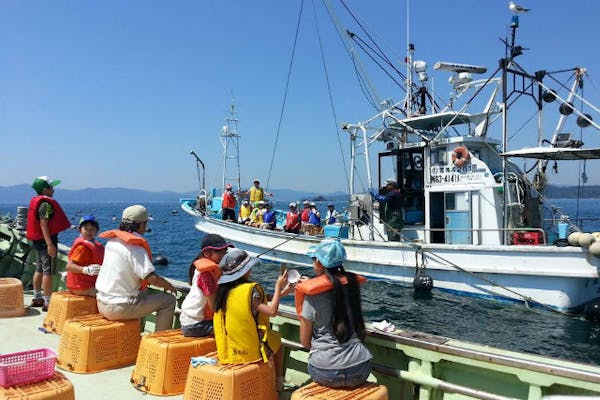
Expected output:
(438, 120)
(554, 153)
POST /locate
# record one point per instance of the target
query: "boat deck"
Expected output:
(23, 333)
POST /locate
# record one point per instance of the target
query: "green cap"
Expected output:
(42, 182)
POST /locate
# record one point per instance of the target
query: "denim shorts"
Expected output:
(348, 377)
(199, 329)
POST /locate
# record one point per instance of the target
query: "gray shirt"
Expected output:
(326, 352)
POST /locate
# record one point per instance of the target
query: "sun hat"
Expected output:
(331, 253)
(256, 180)
(228, 186)
(293, 204)
(390, 180)
(235, 264)
(212, 241)
(312, 203)
(135, 213)
(88, 218)
(42, 182)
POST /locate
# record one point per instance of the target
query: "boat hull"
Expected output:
(564, 278)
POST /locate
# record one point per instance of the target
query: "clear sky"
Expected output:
(117, 93)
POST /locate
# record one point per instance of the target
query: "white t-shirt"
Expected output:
(123, 268)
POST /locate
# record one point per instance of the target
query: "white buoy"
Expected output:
(574, 238)
(586, 239)
(595, 249)
(597, 234)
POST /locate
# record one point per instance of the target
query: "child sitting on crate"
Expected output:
(197, 309)
(85, 258)
(242, 329)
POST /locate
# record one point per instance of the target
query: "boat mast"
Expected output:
(231, 151)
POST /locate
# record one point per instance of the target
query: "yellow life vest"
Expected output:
(256, 194)
(245, 211)
(239, 337)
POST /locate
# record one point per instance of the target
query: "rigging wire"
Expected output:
(331, 102)
(287, 85)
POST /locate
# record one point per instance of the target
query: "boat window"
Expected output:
(439, 156)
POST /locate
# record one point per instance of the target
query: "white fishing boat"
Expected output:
(473, 220)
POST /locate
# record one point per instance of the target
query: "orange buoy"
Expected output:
(460, 156)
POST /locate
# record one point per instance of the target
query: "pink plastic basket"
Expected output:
(26, 367)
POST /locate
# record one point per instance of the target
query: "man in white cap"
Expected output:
(127, 269)
(292, 219)
(45, 219)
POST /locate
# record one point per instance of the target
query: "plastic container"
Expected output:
(64, 306)
(164, 359)
(26, 367)
(57, 387)
(563, 230)
(314, 391)
(11, 298)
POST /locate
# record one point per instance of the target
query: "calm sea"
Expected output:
(504, 325)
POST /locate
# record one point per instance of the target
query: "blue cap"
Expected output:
(330, 252)
(88, 218)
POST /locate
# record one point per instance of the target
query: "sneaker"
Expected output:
(45, 308)
(37, 303)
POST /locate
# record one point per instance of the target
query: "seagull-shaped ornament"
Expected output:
(517, 9)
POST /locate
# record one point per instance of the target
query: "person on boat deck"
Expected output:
(228, 204)
(269, 217)
(256, 217)
(85, 259)
(305, 212)
(256, 193)
(127, 269)
(245, 211)
(292, 219)
(242, 330)
(45, 220)
(331, 321)
(332, 214)
(391, 212)
(197, 309)
(313, 226)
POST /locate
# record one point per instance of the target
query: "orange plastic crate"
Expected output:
(64, 306)
(92, 344)
(57, 387)
(314, 391)
(163, 361)
(11, 298)
(254, 381)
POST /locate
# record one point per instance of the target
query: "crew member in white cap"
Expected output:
(127, 269)
(45, 219)
(292, 219)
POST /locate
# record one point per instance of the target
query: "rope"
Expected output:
(476, 275)
(331, 102)
(287, 85)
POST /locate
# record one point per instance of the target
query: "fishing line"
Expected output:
(280, 244)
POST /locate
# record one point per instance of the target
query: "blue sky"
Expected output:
(117, 93)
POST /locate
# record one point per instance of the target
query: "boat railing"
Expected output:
(542, 233)
(431, 363)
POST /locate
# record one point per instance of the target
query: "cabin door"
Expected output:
(457, 213)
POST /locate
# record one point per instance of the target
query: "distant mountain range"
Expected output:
(20, 194)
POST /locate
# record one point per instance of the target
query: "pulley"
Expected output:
(566, 108)
(584, 122)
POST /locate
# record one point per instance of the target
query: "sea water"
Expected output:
(504, 325)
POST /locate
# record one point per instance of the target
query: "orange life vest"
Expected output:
(129, 238)
(319, 284)
(228, 199)
(79, 281)
(207, 265)
(58, 222)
